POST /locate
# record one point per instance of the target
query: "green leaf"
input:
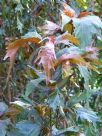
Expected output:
(32, 85)
(87, 114)
(19, 25)
(32, 34)
(27, 128)
(3, 127)
(69, 129)
(19, 7)
(3, 108)
(86, 75)
(56, 100)
(76, 99)
(86, 28)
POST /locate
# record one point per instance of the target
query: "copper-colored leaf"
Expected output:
(84, 14)
(67, 10)
(13, 47)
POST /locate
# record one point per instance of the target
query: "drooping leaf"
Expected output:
(3, 108)
(3, 126)
(88, 115)
(19, 25)
(66, 38)
(32, 85)
(27, 128)
(49, 28)
(55, 131)
(86, 28)
(65, 20)
(68, 11)
(86, 75)
(13, 48)
(56, 100)
(46, 57)
(84, 14)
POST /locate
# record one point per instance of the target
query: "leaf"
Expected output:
(3, 108)
(46, 57)
(32, 85)
(3, 126)
(49, 28)
(19, 7)
(68, 11)
(69, 27)
(32, 34)
(86, 114)
(60, 132)
(66, 38)
(81, 3)
(13, 48)
(84, 14)
(27, 128)
(72, 58)
(65, 19)
(86, 75)
(19, 25)
(56, 100)
(78, 98)
(86, 28)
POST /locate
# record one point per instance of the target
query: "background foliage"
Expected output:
(63, 96)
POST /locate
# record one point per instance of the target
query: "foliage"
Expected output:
(49, 89)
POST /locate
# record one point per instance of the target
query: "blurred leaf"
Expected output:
(19, 7)
(87, 114)
(49, 28)
(66, 38)
(69, 129)
(13, 48)
(28, 128)
(65, 20)
(19, 25)
(86, 28)
(3, 108)
(32, 85)
(56, 100)
(3, 127)
(85, 74)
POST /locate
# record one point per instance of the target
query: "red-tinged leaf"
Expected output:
(46, 57)
(91, 53)
(14, 47)
(73, 59)
(84, 14)
(49, 28)
(78, 60)
(66, 38)
(68, 11)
